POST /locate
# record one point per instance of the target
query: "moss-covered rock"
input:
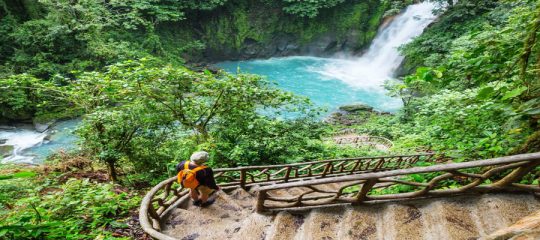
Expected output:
(357, 107)
(6, 150)
(260, 29)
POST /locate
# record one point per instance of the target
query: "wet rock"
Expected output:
(3, 141)
(357, 107)
(2, 127)
(346, 118)
(42, 127)
(6, 150)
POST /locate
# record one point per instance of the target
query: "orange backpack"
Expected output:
(188, 177)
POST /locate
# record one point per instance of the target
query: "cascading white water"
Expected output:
(306, 76)
(20, 140)
(382, 59)
(31, 146)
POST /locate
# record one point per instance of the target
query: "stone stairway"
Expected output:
(463, 217)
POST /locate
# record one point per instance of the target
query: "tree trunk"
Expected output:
(530, 42)
(203, 134)
(113, 176)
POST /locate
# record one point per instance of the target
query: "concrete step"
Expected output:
(255, 226)
(362, 223)
(285, 226)
(497, 211)
(225, 207)
(403, 221)
(321, 224)
(465, 217)
(188, 224)
(450, 219)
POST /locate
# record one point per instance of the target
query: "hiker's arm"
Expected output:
(210, 181)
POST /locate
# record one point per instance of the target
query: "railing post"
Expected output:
(261, 197)
(355, 165)
(366, 187)
(287, 174)
(398, 163)
(379, 164)
(326, 169)
(243, 178)
(154, 217)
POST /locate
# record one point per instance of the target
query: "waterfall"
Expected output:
(382, 58)
(21, 140)
(30, 146)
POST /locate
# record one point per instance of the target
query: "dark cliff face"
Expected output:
(247, 29)
(288, 45)
(256, 30)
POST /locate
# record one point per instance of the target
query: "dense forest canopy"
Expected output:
(44, 38)
(131, 70)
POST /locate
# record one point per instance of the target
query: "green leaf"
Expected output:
(485, 93)
(417, 177)
(24, 174)
(532, 111)
(3, 177)
(514, 93)
(438, 74)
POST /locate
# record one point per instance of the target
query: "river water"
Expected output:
(30, 146)
(332, 82)
(328, 82)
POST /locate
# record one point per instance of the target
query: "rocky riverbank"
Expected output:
(352, 114)
(32, 143)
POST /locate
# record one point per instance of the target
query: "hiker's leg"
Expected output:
(194, 194)
(205, 192)
(204, 197)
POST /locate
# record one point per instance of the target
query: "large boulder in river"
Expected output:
(43, 126)
(357, 107)
(6, 150)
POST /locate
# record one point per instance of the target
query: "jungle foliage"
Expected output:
(50, 37)
(472, 91)
(475, 91)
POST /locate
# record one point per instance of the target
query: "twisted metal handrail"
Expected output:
(497, 174)
(164, 196)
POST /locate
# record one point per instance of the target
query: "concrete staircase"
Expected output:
(464, 217)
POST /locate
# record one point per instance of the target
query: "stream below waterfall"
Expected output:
(332, 82)
(328, 82)
(32, 147)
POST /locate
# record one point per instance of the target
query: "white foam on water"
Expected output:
(382, 59)
(21, 140)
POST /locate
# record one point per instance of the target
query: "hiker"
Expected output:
(193, 174)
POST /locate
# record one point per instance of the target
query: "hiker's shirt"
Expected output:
(204, 176)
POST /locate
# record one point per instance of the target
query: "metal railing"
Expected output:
(164, 196)
(491, 175)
